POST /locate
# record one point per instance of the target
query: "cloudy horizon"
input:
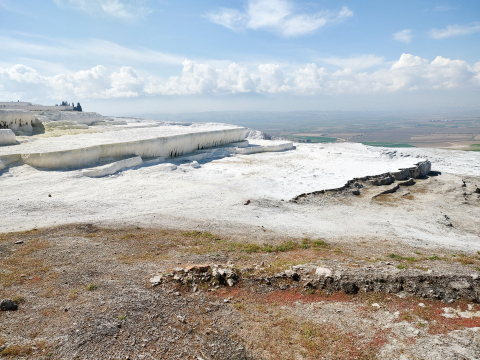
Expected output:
(117, 55)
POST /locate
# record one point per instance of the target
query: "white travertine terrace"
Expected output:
(22, 120)
(76, 151)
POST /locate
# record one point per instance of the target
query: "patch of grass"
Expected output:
(387, 144)
(252, 248)
(268, 248)
(320, 243)
(18, 299)
(127, 237)
(466, 260)
(92, 287)
(286, 246)
(400, 267)
(310, 291)
(122, 317)
(435, 257)
(25, 261)
(399, 257)
(239, 306)
(16, 350)
(305, 243)
(199, 234)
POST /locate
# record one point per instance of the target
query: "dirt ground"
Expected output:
(84, 292)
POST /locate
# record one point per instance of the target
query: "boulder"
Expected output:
(8, 305)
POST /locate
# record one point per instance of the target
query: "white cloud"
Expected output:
(355, 63)
(125, 83)
(230, 18)
(121, 9)
(455, 30)
(100, 50)
(277, 16)
(408, 73)
(403, 36)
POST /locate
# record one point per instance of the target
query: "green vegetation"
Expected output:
(92, 287)
(400, 267)
(283, 247)
(313, 139)
(387, 144)
(474, 147)
(399, 257)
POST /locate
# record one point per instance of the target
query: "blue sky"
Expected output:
(117, 56)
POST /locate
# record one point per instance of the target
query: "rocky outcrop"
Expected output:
(446, 287)
(420, 170)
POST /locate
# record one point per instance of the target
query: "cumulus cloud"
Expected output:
(279, 16)
(455, 30)
(96, 82)
(408, 73)
(403, 36)
(121, 9)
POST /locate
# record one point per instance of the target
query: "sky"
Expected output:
(123, 57)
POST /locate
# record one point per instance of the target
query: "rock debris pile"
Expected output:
(446, 287)
(196, 274)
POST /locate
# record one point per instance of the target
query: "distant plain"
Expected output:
(453, 130)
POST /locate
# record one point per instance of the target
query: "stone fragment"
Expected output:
(321, 271)
(349, 287)
(8, 305)
(199, 268)
(156, 280)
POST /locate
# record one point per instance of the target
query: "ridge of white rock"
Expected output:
(7, 137)
(77, 151)
(113, 168)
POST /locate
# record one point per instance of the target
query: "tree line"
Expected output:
(75, 108)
